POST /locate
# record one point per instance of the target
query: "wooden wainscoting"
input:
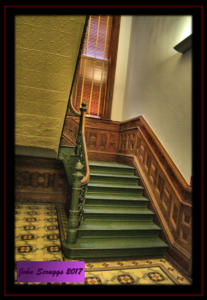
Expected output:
(170, 194)
(40, 180)
(102, 138)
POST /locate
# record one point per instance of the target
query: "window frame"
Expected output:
(111, 62)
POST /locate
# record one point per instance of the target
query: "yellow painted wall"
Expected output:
(45, 58)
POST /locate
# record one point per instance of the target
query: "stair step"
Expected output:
(109, 164)
(114, 204)
(112, 171)
(108, 200)
(115, 186)
(115, 247)
(113, 175)
(118, 243)
(116, 197)
(111, 168)
(113, 179)
(105, 229)
(116, 210)
(114, 189)
(117, 213)
(118, 226)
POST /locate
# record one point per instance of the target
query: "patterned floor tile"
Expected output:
(38, 228)
(37, 233)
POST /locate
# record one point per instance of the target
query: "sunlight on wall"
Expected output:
(186, 28)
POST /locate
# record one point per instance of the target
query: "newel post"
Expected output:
(79, 136)
(74, 212)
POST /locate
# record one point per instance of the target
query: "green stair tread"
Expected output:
(116, 210)
(118, 243)
(117, 225)
(105, 185)
(133, 231)
(115, 197)
(114, 175)
(109, 164)
(67, 146)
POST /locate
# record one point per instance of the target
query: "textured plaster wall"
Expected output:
(158, 84)
(45, 58)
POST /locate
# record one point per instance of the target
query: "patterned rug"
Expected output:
(38, 228)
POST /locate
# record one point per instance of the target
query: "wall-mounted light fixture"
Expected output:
(185, 45)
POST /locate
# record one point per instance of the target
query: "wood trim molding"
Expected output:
(102, 135)
(113, 58)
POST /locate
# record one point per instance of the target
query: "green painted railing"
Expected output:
(80, 177)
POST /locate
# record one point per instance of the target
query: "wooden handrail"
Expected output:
(81, 147)
(87, 175)
(73, 108)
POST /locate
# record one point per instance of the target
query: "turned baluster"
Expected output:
(74, 212)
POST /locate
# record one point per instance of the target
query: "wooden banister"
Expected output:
(73, 109)
(87, 169)
(80, 173)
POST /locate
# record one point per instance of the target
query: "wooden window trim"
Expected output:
(111, 62)
(111, 73)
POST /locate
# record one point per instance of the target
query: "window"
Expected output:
(96, 69)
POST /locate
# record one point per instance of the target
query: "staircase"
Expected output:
(116, 221)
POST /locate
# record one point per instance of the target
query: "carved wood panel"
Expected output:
(41, 180)
(185, 233)
(102, 135)
(100, 140)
